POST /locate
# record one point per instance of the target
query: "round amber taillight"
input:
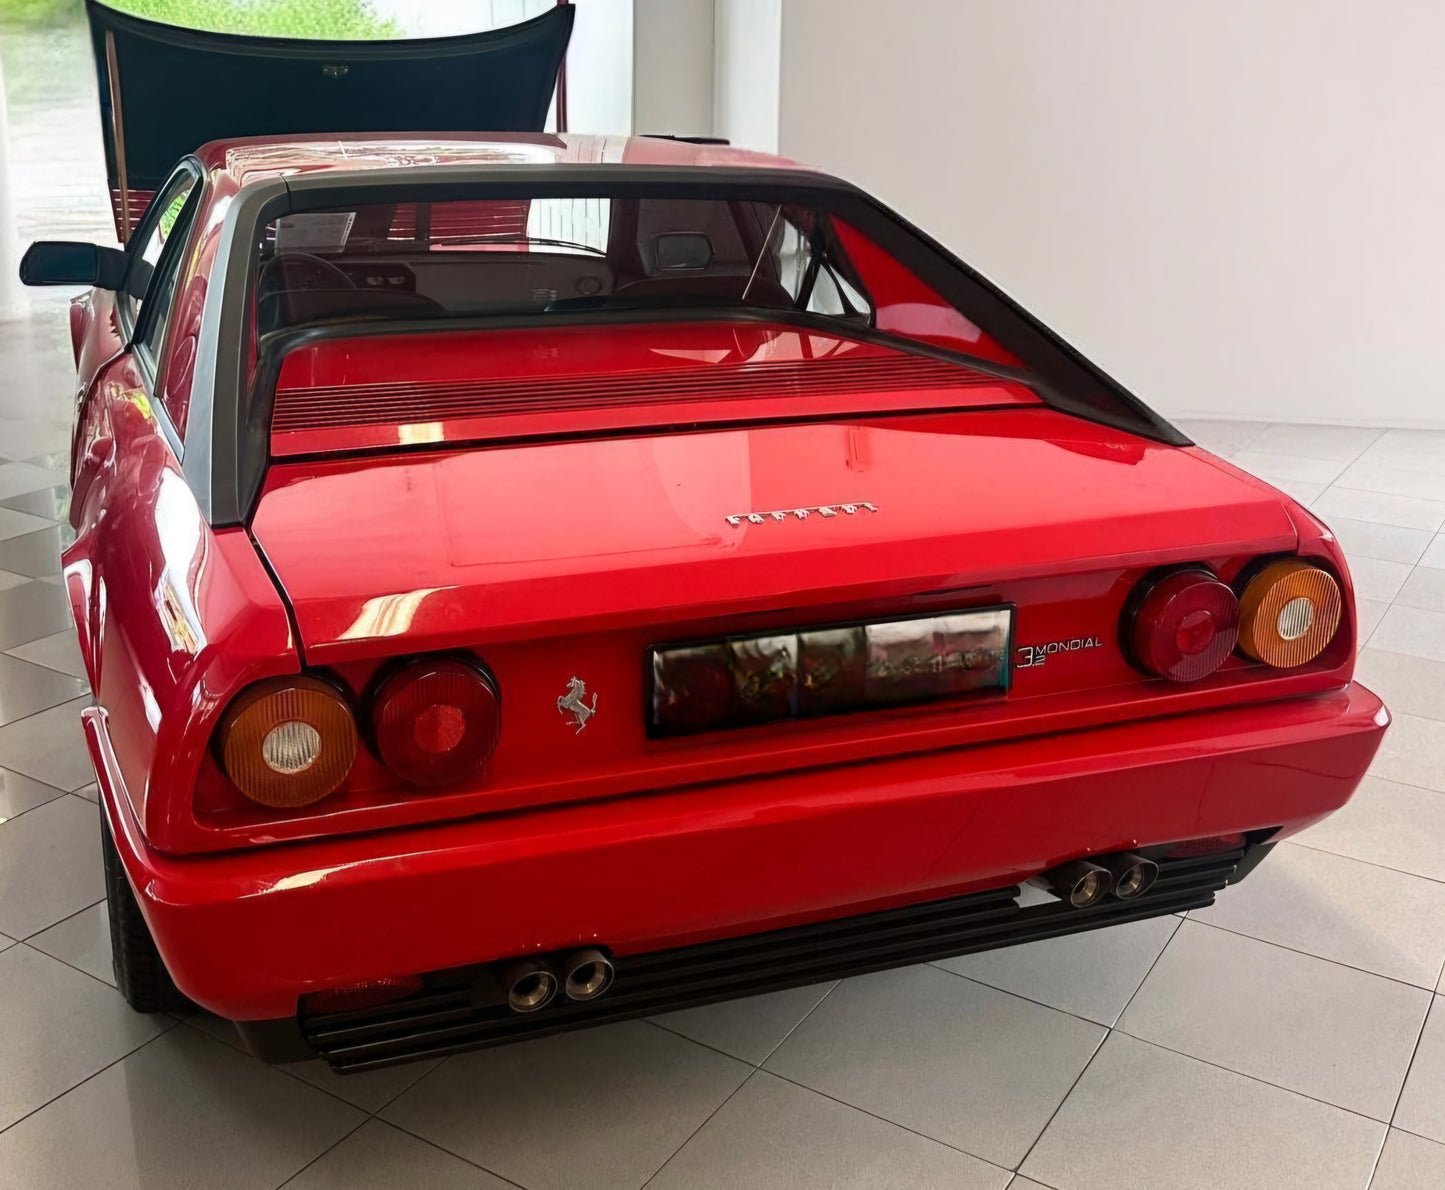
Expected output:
(287, 742)
(436, 721)
(1288, 613)
(1185, 626)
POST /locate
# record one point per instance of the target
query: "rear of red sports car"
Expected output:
(628, 591)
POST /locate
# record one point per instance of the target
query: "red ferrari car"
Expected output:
(530, 581)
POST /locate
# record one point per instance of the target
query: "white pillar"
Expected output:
(12, 295)
(672, 60)
(747, 65)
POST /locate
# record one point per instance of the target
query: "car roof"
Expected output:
(249, 159)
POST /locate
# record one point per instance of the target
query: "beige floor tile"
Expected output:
(1409, 1162)
(1276, 467)
(1145, 1116)
(1344, 501)
(83, 941)
(49, 746)
(17, 524)
(61, 1027)
(1364, 916)
(370, 1090)
(1221, 436)
(1368, 614)
(1368, 539)
(379, 1157)
(1422, 1103)
(1308, 1025)
(181, 1112)
(19, 478)
(26, 688)
(750, 1028)
(1420, 450)
(967, 1065)
(597, 1109)
(1341, 444)
(774, 1133)
(27, 613)
(1411, 630)
(1375, 476)
(1413, 751)
(59, 651)
(1377, 580)
(1386, 823)
(49, 865)
(1091, 975)
(19, 793)
(1434, 554)
(1409, 685)
(1425, 588)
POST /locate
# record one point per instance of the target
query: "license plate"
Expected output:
(826, 670)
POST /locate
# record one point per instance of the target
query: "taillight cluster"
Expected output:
(1183, 625)
(288, 742)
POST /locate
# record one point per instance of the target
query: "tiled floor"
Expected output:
(1291, 1036)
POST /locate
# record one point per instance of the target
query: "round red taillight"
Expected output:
(1185, 626)
(436, 721)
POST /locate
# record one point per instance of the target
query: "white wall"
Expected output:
(599, 67)
(1238, 208)
(747, 36)
(672, 60)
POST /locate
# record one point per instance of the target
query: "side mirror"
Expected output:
(64, 262)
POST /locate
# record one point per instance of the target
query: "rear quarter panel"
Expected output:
(172, 617)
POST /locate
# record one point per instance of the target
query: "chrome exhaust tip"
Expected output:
(1133, 874)
(530, 984)
(1079, 882)
(589, 974)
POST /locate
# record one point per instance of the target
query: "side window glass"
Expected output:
(161, 221)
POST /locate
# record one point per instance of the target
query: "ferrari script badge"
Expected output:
(801, 514)
(572, 703)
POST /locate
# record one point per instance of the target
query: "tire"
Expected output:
(139, 970)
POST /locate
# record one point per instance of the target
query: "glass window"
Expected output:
(543, 255)
(162, 219)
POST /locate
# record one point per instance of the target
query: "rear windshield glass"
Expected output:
(544, 255)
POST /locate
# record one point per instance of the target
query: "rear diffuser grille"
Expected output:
(409, 402)
(460, 1010)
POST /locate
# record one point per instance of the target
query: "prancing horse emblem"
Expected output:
(571, 703)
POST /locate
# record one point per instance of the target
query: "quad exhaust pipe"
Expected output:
(533, 983)
(1081, 882)
(589, 974)
(1132, 874)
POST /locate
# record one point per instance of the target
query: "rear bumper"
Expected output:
(246, 934)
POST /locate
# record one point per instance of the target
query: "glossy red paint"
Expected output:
(553, 559)
(246, 934)
(342, 395)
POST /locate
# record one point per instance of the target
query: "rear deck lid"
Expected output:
(165, 91)
(459, 547)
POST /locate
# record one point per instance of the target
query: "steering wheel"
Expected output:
(301, 270)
